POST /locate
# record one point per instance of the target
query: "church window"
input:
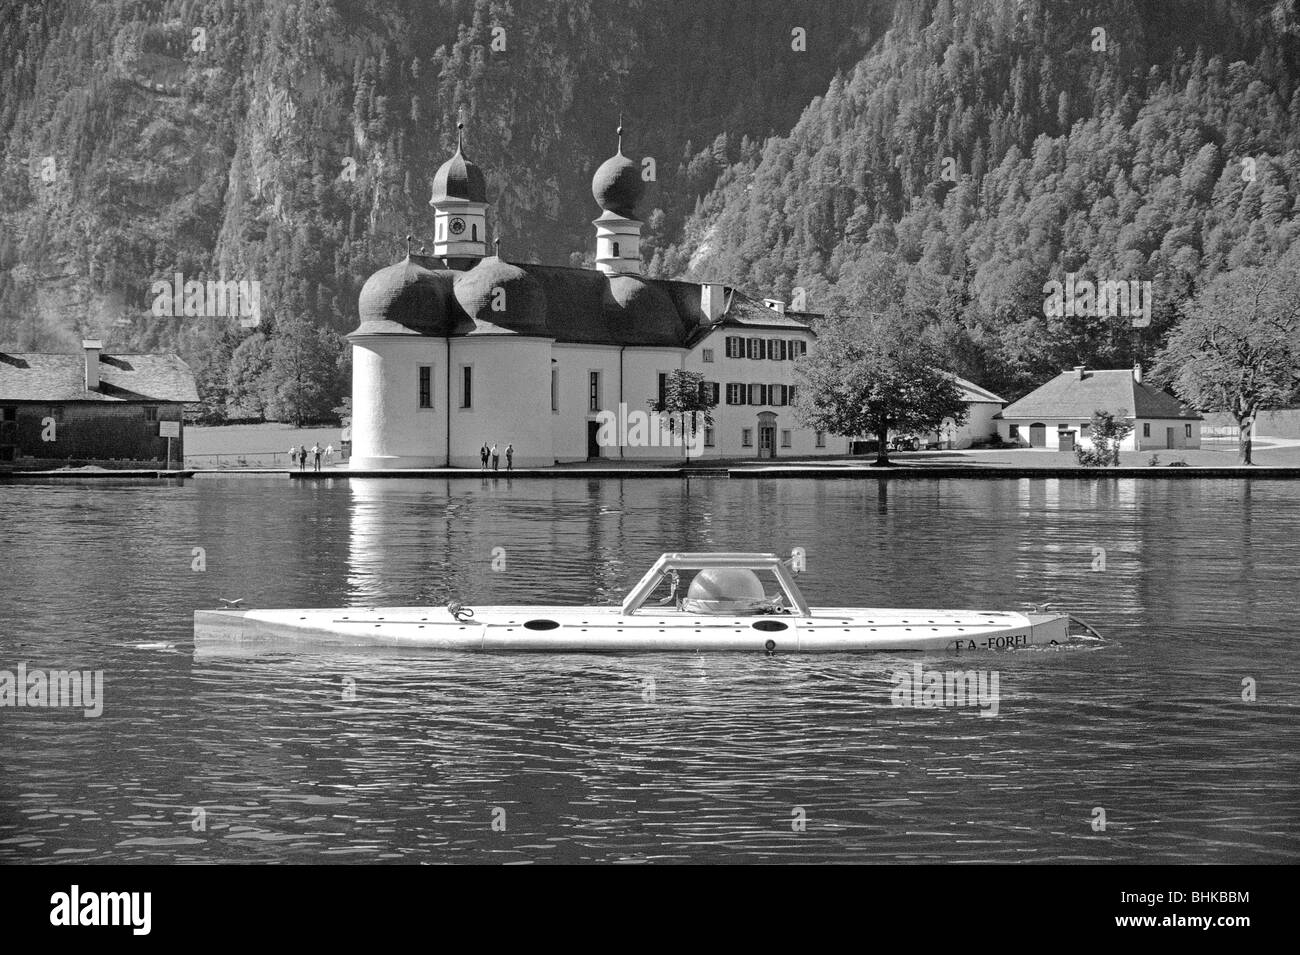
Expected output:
(555, 389)
(593, 391)
(426, 386)
(616, 250)
(466, 386)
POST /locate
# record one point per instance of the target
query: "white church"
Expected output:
(457, 349)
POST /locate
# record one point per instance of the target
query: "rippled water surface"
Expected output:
(661, 757)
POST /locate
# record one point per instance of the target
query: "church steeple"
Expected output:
(617, 187)
(460, 209)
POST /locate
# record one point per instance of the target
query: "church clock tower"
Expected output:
(460, 210)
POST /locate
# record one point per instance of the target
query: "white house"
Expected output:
(459, 349)
(980, 423)
(1057, 414)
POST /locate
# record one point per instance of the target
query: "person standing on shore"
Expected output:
(329, 453)
(316, 453)
(510, 457)
(302, 457)
(293, 455)
(483, 455)
(495, 457)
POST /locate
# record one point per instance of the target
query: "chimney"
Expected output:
(1137, 372)
(92, 349)
(1079, 372)
(712, 302)
(775, 304)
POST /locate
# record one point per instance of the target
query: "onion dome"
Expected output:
(405, 298)
(644, 312)
(501, 297)
(458, 178)
(617, 185)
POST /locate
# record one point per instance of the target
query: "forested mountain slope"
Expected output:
(985, 147)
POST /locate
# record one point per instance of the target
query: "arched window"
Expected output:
(473, 233)
(616, 250)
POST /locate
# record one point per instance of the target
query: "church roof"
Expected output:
(406, 298)
(576, 306)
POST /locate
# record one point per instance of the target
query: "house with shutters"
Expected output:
(1057, 414)
(93, 409)
(457, 348)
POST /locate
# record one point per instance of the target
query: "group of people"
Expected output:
(485, 452)
(300, 453)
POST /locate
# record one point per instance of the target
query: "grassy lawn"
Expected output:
(261, 445)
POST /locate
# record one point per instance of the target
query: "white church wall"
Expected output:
(510, 385)
(389, 428)
(574, 365)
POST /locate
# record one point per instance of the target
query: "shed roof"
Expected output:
(972, 393)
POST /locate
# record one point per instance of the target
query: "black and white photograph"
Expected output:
(650, 432)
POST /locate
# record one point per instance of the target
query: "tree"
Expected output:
(303, 382)
(246, 378)
(1238, 345)
(686, 399)
(875, 381)
(1107, 430)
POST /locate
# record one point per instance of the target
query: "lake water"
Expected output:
(464, 757)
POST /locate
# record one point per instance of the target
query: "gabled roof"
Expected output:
(62, 378)
(1068, 396)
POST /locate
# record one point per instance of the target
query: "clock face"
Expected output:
(457, 226)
